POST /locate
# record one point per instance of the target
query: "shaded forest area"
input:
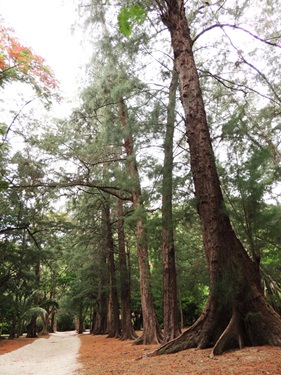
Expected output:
(156, 204)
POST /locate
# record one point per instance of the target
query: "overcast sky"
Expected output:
(45, 26)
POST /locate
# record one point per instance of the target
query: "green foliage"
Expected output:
(127, 16)
(193, 305)
(34, 312)
(65, 321)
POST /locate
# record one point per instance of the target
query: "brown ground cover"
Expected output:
(7, 345)
(103, 356)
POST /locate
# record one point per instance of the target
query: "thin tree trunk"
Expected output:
(128, 332)
(80, 319)
(32, 326)
(237, 312)
(171, 323)
(100, 314)
(53, 327)
(151, 330)
(53, 311)
(181, 312)
(113, 319)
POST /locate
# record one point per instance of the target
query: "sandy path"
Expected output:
(56, 355)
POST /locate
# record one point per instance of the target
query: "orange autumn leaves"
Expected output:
(19, 63)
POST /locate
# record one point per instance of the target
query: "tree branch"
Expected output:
(9, 229)
(222, 25)
(13, 121)
(238, 87)
(74, 183)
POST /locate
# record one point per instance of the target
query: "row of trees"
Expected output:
(129, 239)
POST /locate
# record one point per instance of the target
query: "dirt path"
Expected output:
(45, 356)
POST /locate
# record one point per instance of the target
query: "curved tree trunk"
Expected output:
(45, 321)
(170, 308)
(127, 329)
(151, 330)
(237, 312)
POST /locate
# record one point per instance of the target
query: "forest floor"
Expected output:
(99, 355)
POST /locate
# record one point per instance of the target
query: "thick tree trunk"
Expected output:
(127, 332)
(237, 313)
(31, 329)
(170, 308)
(151, 330)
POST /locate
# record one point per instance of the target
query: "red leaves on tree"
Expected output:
(19, 63)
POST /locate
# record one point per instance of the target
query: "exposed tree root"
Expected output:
(195, 336)
(129, 336)
(148, 339)
(231, 337)
(257, 324)
(113, 334)
(186, 340)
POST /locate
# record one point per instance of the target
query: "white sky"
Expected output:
(45, 26)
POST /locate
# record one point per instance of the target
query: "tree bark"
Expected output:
(100, 313)
(127, 329)
(170, 307)
(80, 319)
(45, 321)
(31, 329)
(151, 330)
(113, 319)
(237, 312)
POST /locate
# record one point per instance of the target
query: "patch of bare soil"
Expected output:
(7, 345)
(104, 356)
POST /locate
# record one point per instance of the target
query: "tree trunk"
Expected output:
(53, 310)
(170, 308)
(151, 330)
(127, 329)
(31, 328)
(181, 311)
(45, 321)
(99, 322)
(113, 319)
(12, 333)
(237, 312)
(53, 325)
